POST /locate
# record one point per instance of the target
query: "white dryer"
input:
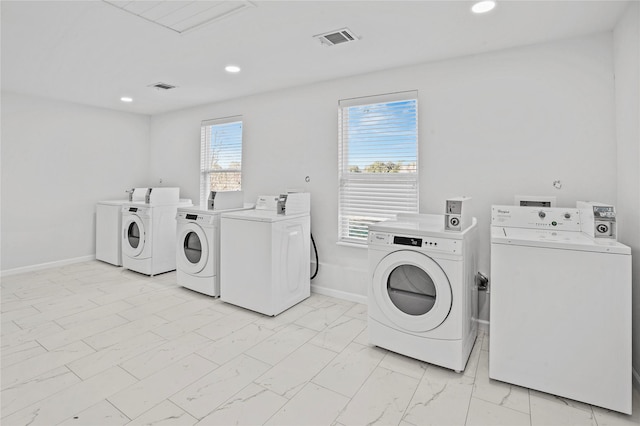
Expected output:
(198, 249)
(422, 292)
(149, 237)
(560, 307)
(265, 259)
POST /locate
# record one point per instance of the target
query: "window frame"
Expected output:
(399, 192)
(206, 171)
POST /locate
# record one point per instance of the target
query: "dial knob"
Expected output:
(567, 215)
(542, 214)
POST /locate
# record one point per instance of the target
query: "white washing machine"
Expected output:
(198, 249)
(423, 301)
(265, 259)
(149, 237)
(109, 227)
(560, 307)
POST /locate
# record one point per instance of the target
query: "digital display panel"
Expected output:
(408, 241)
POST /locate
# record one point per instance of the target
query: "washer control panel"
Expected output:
(205, 219)
(442, 245)
(138, 211)
(564, 219)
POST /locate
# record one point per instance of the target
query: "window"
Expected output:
(378, 161)
(220, 156)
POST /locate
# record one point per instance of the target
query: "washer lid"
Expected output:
(411, 290)
(261, 215)
(547, 238)
(113, 202)
(202, 210)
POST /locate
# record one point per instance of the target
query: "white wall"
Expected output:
(627, 86)
(490, 126)
(58, 159)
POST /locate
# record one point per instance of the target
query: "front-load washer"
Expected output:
(109, 226)
(422, 293)
(265, 259)
(198, 249)
(149, 237)
(560, 307)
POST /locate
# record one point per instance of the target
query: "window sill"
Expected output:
(355, 245)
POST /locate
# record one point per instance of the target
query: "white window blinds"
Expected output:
(378, 161)
(220, 156)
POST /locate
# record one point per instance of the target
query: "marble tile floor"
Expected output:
(93, 344)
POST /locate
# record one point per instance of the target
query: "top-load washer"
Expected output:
(149, 233)
(422, 293)
(198, 248)
(265, 256)
(560, 307)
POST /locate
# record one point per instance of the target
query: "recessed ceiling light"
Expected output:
(126, 99)
(232, 68)
(483, 6)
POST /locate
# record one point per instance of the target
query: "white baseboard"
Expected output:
(351, 297)
(483, 325)
(41, 266)
(342, 282)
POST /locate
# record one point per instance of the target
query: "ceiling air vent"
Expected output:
(332, 38)
(163, 86)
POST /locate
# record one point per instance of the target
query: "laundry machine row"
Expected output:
(198, 243)
(265, 254)
(148, 232)
(256, 258)
(109, 226)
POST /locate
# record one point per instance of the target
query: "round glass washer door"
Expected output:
(134, 236)
(193, 249)
(412, 291)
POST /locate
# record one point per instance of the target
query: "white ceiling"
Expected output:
(92, 52)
